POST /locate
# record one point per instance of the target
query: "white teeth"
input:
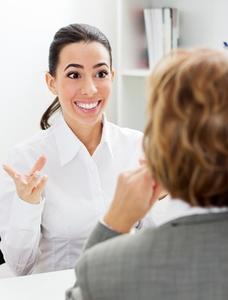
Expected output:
(87, 105)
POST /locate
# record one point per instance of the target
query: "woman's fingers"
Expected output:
(10, 171)
(135, 193)
(14, 175)
(39, 164)
(35, 186)
(40, 186)
(33, 182)
(29, 187)
(142, 161)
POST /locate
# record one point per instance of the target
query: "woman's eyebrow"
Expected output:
(74, 65)
(100, 65)
(81, 67)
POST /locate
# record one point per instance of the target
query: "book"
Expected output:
(175, 28)
(162, 32)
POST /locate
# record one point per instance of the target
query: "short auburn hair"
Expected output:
(186, 136)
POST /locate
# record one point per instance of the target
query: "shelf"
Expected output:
(136, 72)
(132, 47)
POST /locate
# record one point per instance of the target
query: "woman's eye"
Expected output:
(73, 75)
(102, 74)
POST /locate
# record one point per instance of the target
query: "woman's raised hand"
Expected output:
(135, 194)
(30, 186)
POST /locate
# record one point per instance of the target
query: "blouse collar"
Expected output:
(68, 143)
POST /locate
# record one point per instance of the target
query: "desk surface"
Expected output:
(44, 286)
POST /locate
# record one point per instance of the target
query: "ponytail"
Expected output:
(44, 124)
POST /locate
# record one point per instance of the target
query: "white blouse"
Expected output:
(49, 236)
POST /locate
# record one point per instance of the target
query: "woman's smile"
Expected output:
(87, 106)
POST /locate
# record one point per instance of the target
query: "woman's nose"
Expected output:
(88, 87)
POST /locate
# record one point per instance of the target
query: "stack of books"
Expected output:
(162, 32)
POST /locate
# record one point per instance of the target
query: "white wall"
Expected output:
(26, 30)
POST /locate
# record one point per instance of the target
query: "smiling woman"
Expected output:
(83, 88)
(63, 179)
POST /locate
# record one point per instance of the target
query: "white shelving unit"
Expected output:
(136, 72)
(203, 23)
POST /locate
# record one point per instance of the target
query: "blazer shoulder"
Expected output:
(113, 263)
(117, 249)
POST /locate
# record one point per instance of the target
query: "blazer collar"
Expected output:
(203, 218)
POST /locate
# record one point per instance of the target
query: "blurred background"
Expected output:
(26, 31)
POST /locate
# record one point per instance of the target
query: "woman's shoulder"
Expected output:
(31, 148)
(124, 132)
(38, 139)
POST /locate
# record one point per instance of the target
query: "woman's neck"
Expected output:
(89, 135)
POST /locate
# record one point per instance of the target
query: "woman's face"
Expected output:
(83, 82)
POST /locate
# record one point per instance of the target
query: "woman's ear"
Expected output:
(113, 74)
(50, 80)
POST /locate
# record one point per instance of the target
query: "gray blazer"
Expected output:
(185, 259)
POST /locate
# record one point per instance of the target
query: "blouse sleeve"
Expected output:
(20, 222)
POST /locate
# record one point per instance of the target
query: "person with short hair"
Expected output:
(186, 150)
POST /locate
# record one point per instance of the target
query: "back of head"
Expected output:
(186, 137)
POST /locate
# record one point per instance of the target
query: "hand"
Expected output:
(136, 192)
(163, 193)
(29, 187)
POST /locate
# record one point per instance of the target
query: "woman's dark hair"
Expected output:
(73, 33)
